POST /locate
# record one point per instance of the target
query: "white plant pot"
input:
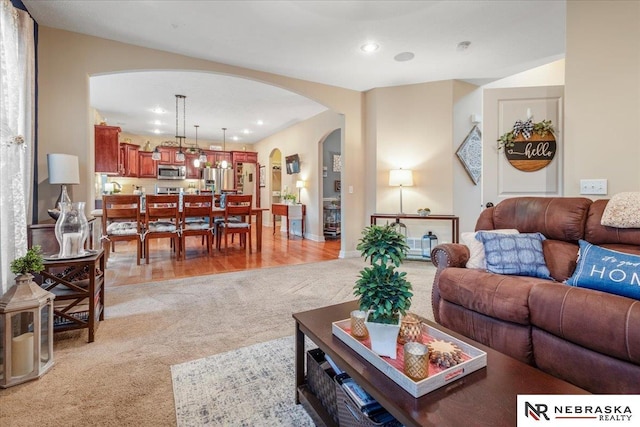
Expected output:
(383, 337)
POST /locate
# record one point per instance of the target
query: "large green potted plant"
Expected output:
(383, 291)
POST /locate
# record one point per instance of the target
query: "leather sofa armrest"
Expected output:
(443, 256)
(450, 255)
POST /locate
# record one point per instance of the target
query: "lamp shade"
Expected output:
(400, 177)
(63, 169)
(299, 184)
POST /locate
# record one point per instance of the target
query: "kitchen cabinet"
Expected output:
(107, 149)
(193, 172)
(147, 167)
(129, 159)
(245, 165)
(216, 157)
(168, 156)
(244, 157)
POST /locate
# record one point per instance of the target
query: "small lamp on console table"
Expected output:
(400, 178)
(299, 185)
(63, 169)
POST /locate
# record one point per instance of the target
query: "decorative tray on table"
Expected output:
(472, 359)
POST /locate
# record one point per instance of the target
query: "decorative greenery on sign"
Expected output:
(526, 128)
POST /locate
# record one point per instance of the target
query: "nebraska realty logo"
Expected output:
(578, 410)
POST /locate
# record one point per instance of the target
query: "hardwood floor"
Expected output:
(276, 250)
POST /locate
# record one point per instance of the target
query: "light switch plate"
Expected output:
(593, 186)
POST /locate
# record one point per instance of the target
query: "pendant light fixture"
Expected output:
(203, 156)
(180, 137)
(224, 164)
(196, 161)
(155, 155)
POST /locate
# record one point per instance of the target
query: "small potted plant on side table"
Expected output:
(384, 292)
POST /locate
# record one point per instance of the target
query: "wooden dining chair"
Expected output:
(196, 219)
(236, 206)
(121, 222)
(162, 220)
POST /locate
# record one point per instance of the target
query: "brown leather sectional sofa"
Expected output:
(586, 337)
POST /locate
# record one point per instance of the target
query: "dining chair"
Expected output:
(237, 206)
(162, 220)
(196, 219)
(121, 222)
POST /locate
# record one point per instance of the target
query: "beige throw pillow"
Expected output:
(622, 211)
(476, 248)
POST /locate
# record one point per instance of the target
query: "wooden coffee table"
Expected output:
(485, 397)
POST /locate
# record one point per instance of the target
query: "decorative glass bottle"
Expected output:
(72, 230)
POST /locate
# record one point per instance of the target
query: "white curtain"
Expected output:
(17, 134)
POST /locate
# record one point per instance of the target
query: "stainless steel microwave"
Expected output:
(172, 172)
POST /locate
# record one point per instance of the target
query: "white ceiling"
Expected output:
(311, 40)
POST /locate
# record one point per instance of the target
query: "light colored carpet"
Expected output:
(250, 386)
(124, 378)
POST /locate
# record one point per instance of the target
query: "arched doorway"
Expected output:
(331, 185)
(274, 178)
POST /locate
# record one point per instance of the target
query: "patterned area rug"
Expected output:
(250, 386)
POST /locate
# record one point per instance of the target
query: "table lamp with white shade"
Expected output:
(300, 184)
(400, 178)
(63, 170)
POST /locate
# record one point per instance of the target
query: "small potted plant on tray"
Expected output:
(384, 292)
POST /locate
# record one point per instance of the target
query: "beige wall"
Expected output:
(67, 60)
(410, 127)
(304, 139)
(602, 93)
(417, 126)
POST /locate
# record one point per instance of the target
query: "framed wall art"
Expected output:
(470, 154)
(263, 176)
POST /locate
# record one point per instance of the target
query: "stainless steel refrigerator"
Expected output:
(218, 179)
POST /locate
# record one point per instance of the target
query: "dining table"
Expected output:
(219, 212)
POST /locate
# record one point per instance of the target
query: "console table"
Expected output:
(78, 285)
(487, 396)
(283, 210)
(455, 221)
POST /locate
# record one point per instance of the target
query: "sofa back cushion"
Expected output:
(599, 234)
(558, 218)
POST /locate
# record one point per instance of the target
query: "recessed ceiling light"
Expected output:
(235, 138)
(158, 110)
(260, 122)
(157, 122)
(246, 131)
(404, 56)
(462, 46)
(156, 131)
(369, 47)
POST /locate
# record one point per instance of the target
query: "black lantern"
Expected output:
(428, 242)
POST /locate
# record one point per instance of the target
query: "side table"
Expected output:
(283, 210)
(78, 285)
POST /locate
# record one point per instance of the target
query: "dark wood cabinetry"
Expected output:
(147, 167)
(193, 172)
(168, 156)
(107, 149)
(129, 159)
(216, 157)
